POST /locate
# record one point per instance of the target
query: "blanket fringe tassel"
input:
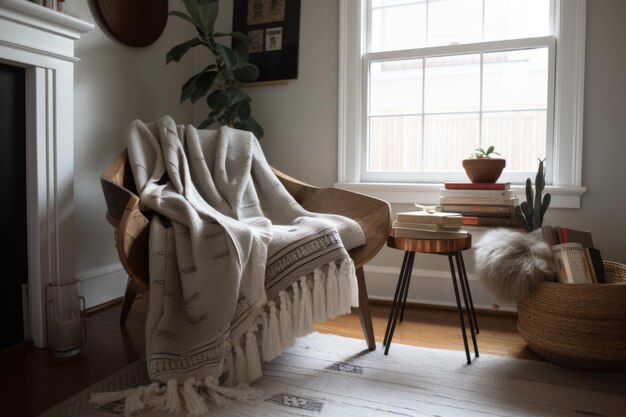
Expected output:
(316, 299)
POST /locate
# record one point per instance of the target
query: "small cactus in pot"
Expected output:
(533, 209)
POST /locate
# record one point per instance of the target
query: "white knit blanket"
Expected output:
(232, 256)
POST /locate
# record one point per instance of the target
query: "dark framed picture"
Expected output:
(274, 27)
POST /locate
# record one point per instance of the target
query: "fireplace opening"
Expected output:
(14, 326)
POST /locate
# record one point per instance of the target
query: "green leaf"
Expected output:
(193, 8)
(251, 125)
(185, 17)
(203, 84)
(177, 52)
(246, 73)
(242, 51)
(228, 55)
(209, 14)
(217, 100)
(236, 95)
(188, 88)
(237, 35)
(490, 149)
(206, 123)
(241, 111)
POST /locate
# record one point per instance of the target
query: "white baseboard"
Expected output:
(428, 287)
(101, 285)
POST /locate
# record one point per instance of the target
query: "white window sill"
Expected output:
(407, 193)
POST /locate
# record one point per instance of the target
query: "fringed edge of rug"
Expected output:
(292, 314)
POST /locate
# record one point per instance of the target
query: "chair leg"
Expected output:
(129, 299)
(364, 310)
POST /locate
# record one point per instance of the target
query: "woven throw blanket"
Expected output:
(238, 268)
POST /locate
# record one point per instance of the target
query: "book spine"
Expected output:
(502, 201)
(439, 220)
(500, 194)
(424, 234)
(425, 226)
(476, 186)
(492, 221)
(477, 208)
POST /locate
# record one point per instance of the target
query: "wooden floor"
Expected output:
(32, 380)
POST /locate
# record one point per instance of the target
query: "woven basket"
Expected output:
(581, 326)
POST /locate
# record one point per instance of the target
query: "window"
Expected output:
(424, 82)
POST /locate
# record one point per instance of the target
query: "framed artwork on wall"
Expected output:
(274, 27)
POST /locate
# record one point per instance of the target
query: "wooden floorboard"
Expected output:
(33, 380)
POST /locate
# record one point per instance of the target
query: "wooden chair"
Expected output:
(131, 228)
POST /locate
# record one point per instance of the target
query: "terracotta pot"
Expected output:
(484, 169)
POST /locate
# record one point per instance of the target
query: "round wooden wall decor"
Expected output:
(133, 22)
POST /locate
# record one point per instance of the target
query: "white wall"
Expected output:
(114, 84)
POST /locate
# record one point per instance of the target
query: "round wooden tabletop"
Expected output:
(430, 245)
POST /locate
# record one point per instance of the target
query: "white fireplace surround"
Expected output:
(41, 40)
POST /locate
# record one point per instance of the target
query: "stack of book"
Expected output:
(425, 225)
(481, 204)
(577, 260)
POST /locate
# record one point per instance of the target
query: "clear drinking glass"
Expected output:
(67, 328)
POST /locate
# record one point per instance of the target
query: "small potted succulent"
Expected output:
(481, 166)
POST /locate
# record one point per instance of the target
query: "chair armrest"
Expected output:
(372, 214)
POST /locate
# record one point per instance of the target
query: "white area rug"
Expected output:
(327, 375)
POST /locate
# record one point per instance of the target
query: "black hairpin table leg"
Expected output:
(405, 278)
(469, 293)
(458, 306)
(396, 296)
(468, 308)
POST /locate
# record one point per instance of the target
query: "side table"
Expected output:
(452, 248)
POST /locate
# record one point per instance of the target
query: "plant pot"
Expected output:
(484, 169)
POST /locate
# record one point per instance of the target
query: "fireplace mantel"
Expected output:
(41, 41)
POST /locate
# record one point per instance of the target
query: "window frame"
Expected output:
(565, 152)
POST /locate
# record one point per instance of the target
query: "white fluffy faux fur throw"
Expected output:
(512, 264)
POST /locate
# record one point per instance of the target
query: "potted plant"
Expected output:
(535, 206)
(482, 167)
(221, 81)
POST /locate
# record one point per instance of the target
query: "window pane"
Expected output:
(515, 79)
(448, 139)
(398, 27)
(396, 87)
(519, 136)
(395, 143)
(452, 84)
(510, 19)
(454, 22)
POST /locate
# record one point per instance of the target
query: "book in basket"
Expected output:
(438, 217)
(572, 263)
